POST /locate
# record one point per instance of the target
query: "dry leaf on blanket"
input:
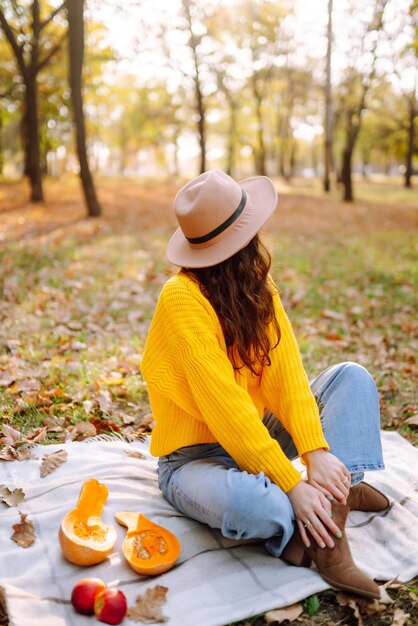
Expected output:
(400, 618)
(344, 600)
(289, 613)
(51, 462)
(24, 533)
(147, 608)
(135, 454)
(11, 497)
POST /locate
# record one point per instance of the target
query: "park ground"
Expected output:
(77, 296)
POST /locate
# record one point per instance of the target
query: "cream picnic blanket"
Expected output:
(216, 581)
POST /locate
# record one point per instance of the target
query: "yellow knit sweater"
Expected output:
(197, 397)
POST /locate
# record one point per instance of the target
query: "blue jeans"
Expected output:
(204, 482)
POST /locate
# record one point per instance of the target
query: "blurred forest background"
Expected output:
(135, 97)
(175, 88)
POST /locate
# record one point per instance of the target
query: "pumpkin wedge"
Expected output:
(149, 548)
(84, 538)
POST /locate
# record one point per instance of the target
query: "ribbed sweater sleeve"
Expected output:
(286, 392)
(187, 331)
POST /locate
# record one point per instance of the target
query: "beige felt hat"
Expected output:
(218, 217)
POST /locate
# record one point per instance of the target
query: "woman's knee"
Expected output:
(259, 509)
(356, 374)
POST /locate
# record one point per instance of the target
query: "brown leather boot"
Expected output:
(336, 564)
(364, 497)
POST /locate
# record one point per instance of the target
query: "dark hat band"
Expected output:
(220, 229)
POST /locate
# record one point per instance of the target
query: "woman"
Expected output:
(232, 402)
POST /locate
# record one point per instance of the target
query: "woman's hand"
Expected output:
(313, 513)
(328, 474)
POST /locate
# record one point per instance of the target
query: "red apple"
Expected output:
(110, 606)
(84, 593)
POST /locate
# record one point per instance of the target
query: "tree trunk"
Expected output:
(200, 105)
(293, 153)
(34, 154)
(328, 105)
(201, 123)
(31, 102)
(346, 177)
(1, 142)
(75, 10)
(232, 138)
(261, 149)
(411, 141)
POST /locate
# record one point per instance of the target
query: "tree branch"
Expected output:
(14, 44)
(51, 17)
(51, 53)
(16, 10)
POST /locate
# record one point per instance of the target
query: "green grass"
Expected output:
(78, 309)
(376, 188)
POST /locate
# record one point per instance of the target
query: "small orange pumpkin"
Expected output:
(84, 538)
(149, 548)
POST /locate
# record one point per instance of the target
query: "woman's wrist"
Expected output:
(313, 454)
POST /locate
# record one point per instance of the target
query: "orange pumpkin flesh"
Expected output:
(149, 548)
(84, 538)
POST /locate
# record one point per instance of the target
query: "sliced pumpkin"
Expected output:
(84, 538)
(149, 548)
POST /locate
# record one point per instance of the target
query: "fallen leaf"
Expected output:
(37, 435)
(344, 600)
(135, 454)
(147, 608)
(147, 423)
(289, 613)
(9, 453)
(390, 584)
(11, 497)
(332, 315)
(413, 597)
(6, 379)
(11, 436)
(54, 425)
(24, 533)
(400, 618)
(413, 420)
(88, 406)
(85, 430)
(51, 462)
(104, 399)
(370, 607)
(113, 382)
(103, 426)
(28, 384)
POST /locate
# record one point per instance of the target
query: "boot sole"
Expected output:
(360, 592)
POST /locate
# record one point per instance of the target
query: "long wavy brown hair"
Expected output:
(239, 291)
